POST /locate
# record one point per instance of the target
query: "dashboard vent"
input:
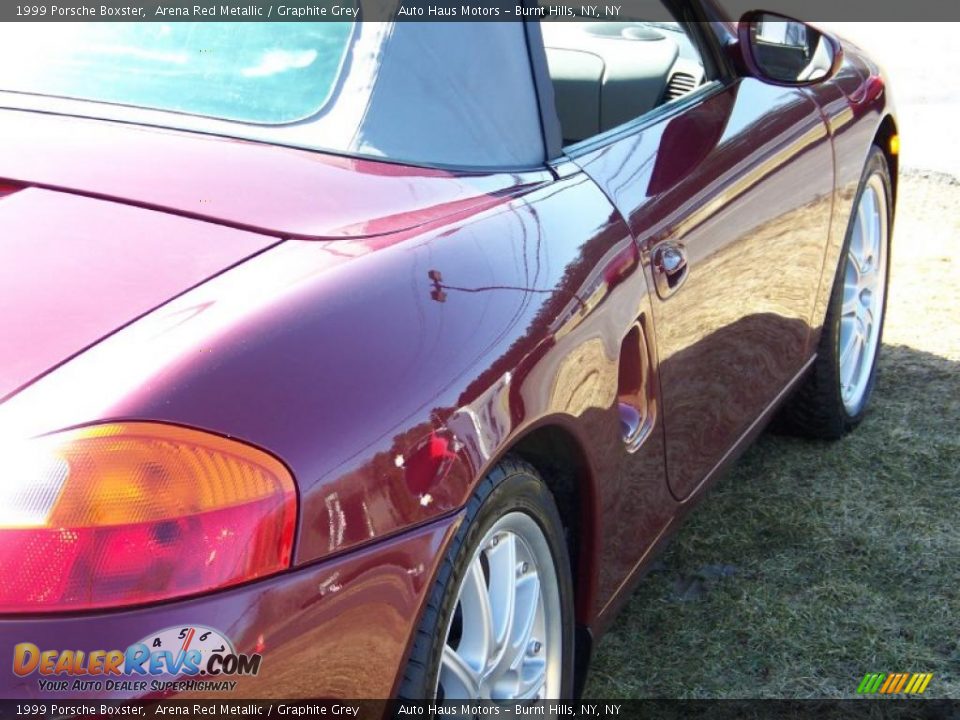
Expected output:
(680, 84)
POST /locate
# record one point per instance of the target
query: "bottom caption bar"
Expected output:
(860, 707)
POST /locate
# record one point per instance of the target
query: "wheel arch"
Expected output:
(562, 462)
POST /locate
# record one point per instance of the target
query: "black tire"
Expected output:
(511, 486)
(817, 409)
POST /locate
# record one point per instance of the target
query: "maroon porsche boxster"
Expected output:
(377, 359)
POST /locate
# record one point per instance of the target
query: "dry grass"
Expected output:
(814, 563)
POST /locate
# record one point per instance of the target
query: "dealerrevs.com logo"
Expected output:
(194, 657)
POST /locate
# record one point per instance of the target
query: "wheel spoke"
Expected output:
(866, 321)
(851, 301)
(477, 641)
(849, 358)
(525, 619)
(502, 561)
(533, 677)
(873, 245)
(459, 680)
(859, 242)
(849, 330)
(870, 228)
(528, 602)
(855, 269)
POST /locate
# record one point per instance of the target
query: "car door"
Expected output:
(726, 187)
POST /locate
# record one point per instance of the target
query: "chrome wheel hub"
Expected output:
(864, 287)
(504, 640)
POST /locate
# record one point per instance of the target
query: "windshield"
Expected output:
(265, 73)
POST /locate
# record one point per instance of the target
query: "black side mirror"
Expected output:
(785, 51)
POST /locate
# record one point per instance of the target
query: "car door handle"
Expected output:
(669, 267)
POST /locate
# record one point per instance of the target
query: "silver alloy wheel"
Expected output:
(505, 638)
(864, 287)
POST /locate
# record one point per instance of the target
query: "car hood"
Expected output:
(276, 190)
(73, 269)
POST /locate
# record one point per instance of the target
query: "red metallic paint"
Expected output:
(253, 354)
(8, 188)
(751, 199)
(74, 269)
(274, 190)
(337, 629)
(391, 372)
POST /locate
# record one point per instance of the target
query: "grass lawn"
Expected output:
(814, 563)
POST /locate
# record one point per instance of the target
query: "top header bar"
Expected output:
(449, 11)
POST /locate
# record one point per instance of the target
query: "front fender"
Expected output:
(389, 372)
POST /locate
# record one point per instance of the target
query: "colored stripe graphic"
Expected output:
(894, 683)
(886, 685)
(867, 685)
